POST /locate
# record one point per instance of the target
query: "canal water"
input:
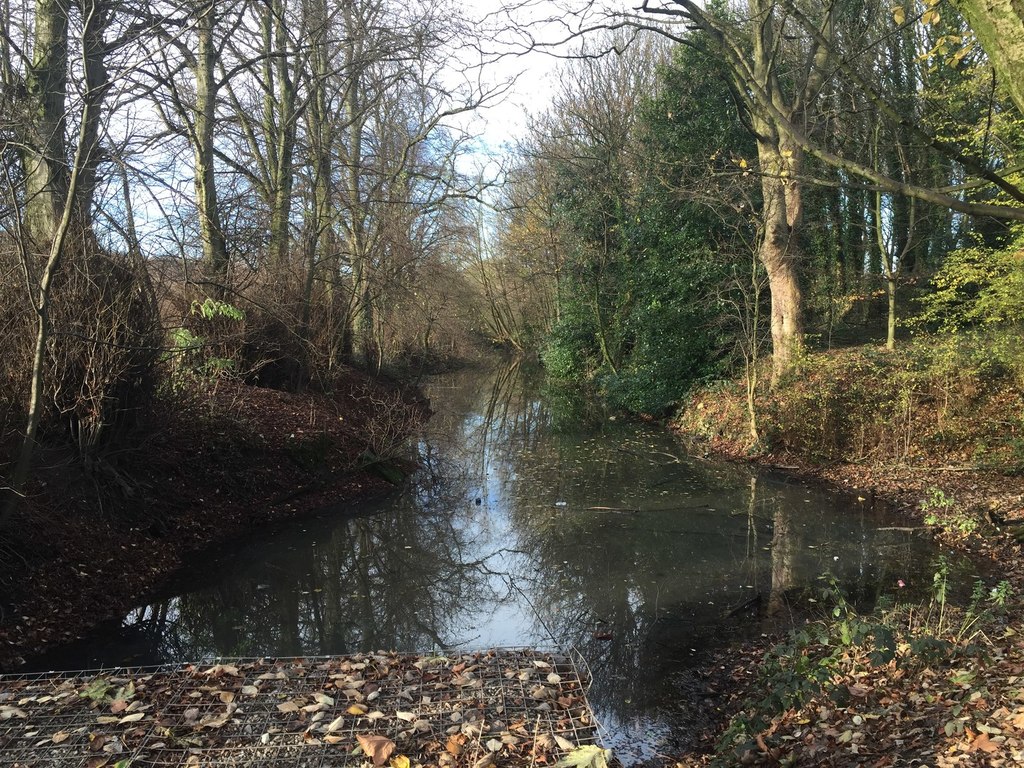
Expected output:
(536, 519)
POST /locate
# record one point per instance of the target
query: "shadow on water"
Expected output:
(535, 519)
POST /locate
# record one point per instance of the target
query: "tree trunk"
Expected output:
(890, 337)
(95, 15)
(41, 304)
(211, 233)
(779, 254)
(44, 156)
(279, 128)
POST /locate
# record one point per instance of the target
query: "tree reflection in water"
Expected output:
(534, 519)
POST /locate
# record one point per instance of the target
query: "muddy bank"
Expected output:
(215, 463)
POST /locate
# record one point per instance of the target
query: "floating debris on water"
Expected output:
(512, 708)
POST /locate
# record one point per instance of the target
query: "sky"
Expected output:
(531, 75)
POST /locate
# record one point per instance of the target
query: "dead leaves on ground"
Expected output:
(472, 711)
(968, 711)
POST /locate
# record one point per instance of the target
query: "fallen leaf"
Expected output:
(223, 669)
(400, 761)
(333, 739)
(250, 690)
(564, 743)
(335, 724)
(377, 748)
(454, 745)
(545, 742)
(60, 737)
(132, 718)
(118, 706)
(226, 696)
(289, 707)
(587, 756)
(357, 709)
(984, 743)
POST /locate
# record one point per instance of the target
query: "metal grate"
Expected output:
(510, 707)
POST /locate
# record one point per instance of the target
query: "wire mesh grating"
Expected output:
(507, 707)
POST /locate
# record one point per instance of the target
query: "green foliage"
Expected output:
(978, 288)
(210, 309)
(647, 260)
(196, 355)
(943, 511)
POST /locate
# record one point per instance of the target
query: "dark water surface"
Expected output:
(534, 520)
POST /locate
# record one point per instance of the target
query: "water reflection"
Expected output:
(534, 519)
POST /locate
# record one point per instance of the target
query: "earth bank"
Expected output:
(218, 460)
(908, 685)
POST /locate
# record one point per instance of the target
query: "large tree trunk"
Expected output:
(44, 155)
(999, 27)
(778, 250)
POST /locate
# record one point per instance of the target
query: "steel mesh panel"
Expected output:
(522, 706)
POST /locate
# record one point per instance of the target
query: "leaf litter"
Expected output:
(474, 710)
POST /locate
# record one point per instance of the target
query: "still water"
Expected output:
(534, 519)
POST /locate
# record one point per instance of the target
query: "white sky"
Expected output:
(533, 74)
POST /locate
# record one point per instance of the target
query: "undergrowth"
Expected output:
(823, 660)
(939, 401)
